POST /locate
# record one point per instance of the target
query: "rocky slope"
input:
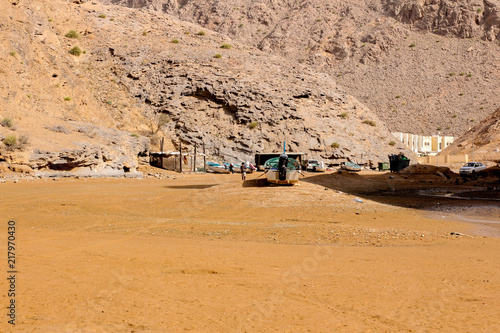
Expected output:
(237, 99)
(145, 73)
(485, 137)
(54, 115)
(421, 66)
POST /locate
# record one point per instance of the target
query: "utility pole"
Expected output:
(204, 158)
(180, 156)
(194, 163)
(438, 148)
(473, 160)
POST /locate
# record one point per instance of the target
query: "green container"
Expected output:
(383, 166)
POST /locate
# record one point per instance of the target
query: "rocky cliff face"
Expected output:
(142, 73)
(463, 19)
(238, 100)
(484, 137)
(421, 66)
(56, 115)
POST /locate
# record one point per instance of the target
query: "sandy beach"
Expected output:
(208, 253)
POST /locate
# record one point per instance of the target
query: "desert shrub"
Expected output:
(135, 135)
(462, 74)
(102, 16)
(461, 94)
(452, 74)
(67, 98)
(13, 53)
(439, 128)
(23, 140)
(369, 122)
(469, 75)
(472, 120)
(76, 51)
(454, 116)
(187, 32)
(479, 10)
(144, 33)
(59, 129)
(201, 33)
(398, 96)
(72, 34)
(111, 19)
(218, 55)
(253, 124)
(6, 122)
(335, 145)
(163, 119)
(343, 115)
(226, 46)
(175, 41)
(392, 143)
(10, 141)
(412, 45)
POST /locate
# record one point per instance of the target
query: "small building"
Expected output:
(171, 161)
(424, 144)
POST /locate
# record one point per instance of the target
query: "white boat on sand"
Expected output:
(216, 167)
(282, 170)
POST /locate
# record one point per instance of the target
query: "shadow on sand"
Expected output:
(191, 187)
(257, 182)
(428, 191)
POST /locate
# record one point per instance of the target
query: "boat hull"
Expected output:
(216, 168)
(292, 177)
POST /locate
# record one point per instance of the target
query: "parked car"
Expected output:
(472, 167)
(315, 165)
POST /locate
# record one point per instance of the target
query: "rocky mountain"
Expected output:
(86, 85)
(421, 66)
(55, 114)
(482, 142)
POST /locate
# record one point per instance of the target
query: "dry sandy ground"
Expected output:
(204, 253)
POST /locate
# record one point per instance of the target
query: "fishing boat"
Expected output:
(350, 166)
(282, 170)
(216, 167)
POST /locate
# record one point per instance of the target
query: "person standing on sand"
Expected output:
(243, 170)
